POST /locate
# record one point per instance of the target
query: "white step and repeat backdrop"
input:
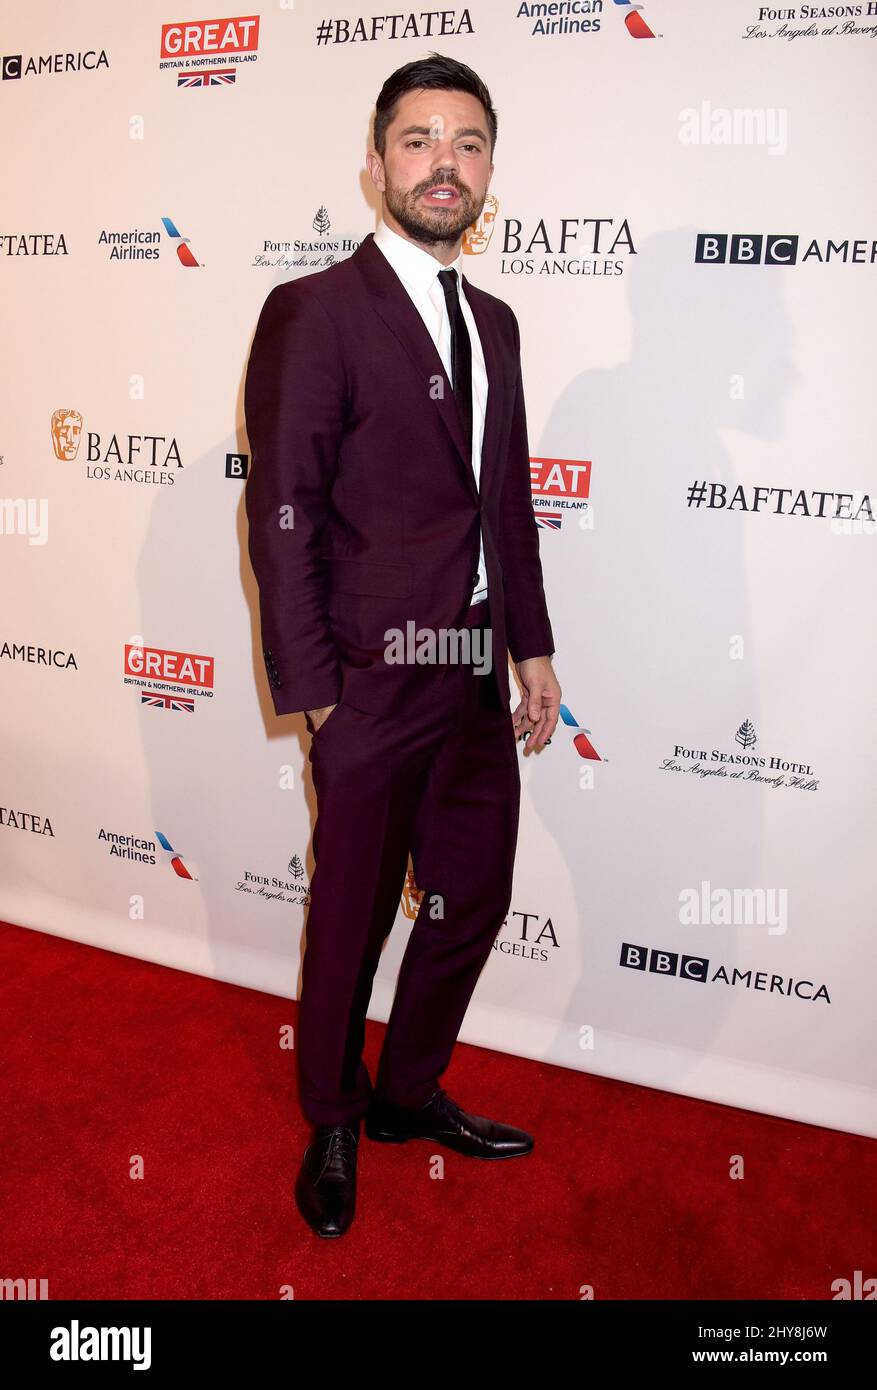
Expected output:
(684, 220)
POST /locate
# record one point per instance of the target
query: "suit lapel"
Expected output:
(392, 301)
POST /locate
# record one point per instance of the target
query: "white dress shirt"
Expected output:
(418, 271)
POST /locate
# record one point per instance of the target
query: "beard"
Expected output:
(432, 225)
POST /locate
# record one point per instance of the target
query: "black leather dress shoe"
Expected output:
(325, 1191)
(442, 1121)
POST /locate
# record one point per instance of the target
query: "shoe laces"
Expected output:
(339, 1144)
(443, 1103)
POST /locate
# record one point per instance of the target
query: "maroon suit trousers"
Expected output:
(443, 783)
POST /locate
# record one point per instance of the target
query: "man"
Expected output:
(390, 494)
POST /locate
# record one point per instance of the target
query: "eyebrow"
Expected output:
(426, 130)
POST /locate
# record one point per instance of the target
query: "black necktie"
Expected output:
(461, 354)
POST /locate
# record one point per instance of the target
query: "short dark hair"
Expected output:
(435, 72)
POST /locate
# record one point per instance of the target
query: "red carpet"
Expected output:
(105, 1058)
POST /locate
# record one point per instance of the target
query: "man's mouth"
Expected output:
(442, 195)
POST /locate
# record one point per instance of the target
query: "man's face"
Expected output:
(438, 140)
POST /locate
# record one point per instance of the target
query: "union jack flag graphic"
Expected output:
(549, 521)
(175, 702)
(216, 77)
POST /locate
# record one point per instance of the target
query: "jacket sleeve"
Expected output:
(295, 396)
(528, 628)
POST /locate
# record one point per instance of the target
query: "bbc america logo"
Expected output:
(718, 248)
(753, 248)
(677, 965)
(14, 65)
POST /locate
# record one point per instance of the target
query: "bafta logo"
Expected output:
(412, 896)
(66, 429)
(477, 237)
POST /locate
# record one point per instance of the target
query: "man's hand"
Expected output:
(319, 716)
(539, 709)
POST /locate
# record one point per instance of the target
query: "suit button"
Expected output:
(475, 577)
(271, 667)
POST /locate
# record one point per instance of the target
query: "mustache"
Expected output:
(442, 183)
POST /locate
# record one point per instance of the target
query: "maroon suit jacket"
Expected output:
(362, 504)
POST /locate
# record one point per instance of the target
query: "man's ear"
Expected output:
(376, 169)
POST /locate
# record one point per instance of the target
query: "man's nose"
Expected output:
(443, 157)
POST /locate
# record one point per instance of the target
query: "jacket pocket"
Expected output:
(382, 578)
